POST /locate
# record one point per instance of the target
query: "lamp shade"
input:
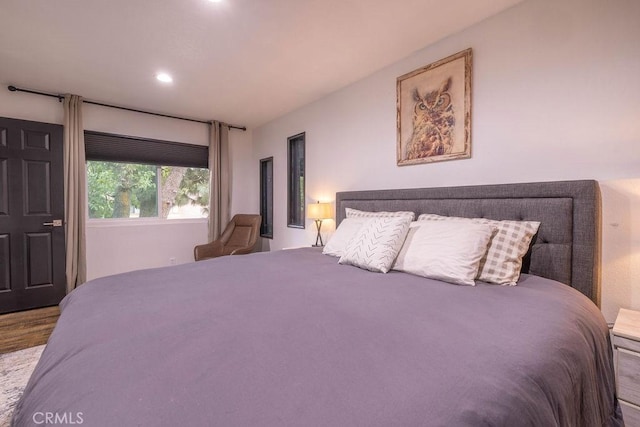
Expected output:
(319, 211)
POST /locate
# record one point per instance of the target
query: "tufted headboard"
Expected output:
(567, 246)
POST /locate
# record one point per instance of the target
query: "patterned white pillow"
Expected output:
(343, 235)
(509, 245)
(445, 250)
(354, 213)
(377, 243)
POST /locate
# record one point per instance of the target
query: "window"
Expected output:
(128, 190)
(295, 194)
(266, 197)
(141, 178)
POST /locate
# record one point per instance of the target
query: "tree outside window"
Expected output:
(127, 190)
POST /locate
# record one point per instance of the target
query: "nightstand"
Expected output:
(626, 344)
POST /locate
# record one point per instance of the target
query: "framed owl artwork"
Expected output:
(434, 111)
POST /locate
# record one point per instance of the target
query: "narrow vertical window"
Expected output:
(295, 195)
(266, 197)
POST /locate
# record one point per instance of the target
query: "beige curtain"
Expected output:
(220, 184)
(74, 192)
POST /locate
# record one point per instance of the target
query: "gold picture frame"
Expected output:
(434, 111)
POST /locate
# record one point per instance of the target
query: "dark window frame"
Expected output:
(266, 197)
(296, 208)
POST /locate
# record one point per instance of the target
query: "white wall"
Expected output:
(244, 172)
(556, 96)
(119, 246)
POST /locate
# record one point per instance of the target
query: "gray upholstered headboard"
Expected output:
(566, 247)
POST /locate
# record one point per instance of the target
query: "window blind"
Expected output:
(119, 148)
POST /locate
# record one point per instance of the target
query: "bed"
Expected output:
(292, 338)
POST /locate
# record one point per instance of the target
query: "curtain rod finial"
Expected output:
(12, 88)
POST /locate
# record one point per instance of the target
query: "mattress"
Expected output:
(292, 338)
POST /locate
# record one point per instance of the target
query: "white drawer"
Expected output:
(631, 414)
(629, 375)
(626, 343)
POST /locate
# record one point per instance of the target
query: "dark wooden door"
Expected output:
(32, 252)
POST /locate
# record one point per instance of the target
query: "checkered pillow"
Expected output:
(354, 213)
(503, 261)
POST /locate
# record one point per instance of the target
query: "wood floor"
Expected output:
(26, 328)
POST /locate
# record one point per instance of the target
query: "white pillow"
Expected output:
(445, 251)
(343, 235)
(509, 245)
(354, 213)
(375, 246)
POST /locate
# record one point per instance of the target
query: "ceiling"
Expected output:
(244, 62)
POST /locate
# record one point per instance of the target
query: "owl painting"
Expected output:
(434, 111)
(433, 123)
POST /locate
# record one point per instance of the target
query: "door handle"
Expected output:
(54, 223)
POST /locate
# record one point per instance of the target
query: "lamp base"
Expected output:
(318, 237)
(317, 246)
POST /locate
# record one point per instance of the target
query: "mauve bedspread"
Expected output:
(291, 338)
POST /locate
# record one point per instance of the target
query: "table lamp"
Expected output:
(318, 212)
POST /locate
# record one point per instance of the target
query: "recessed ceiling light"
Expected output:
(215, 1)
(164, 77)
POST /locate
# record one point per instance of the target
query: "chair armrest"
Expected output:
(242, 251)
(208, 250)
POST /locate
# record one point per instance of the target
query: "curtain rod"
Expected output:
(102, 104)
